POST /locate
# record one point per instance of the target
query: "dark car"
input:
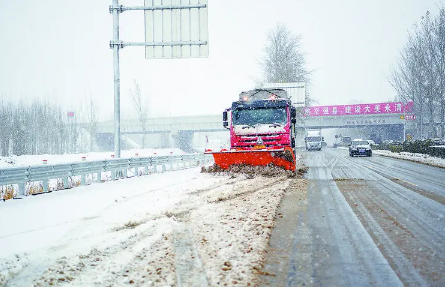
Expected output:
(360, 147)
(438, 141)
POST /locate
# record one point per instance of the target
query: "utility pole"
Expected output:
(115, 9)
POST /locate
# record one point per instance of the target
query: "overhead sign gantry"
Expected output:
(173, 29)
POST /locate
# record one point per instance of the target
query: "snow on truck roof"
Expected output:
(263, 94)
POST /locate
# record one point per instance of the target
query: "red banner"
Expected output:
(358, 109)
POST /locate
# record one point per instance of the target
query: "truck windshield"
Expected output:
(313, 139)
(259, 116)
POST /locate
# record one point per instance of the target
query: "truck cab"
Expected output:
(262, 131)
(261, 118)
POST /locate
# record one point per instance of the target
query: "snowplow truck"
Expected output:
(262, 131)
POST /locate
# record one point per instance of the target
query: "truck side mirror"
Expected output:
(293, 112)
(322, 139)
(225, 122)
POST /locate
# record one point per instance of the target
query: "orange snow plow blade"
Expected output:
(284, 157)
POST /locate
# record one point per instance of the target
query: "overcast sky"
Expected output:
(59, 50)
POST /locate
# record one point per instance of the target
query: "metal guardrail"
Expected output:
(118, 167)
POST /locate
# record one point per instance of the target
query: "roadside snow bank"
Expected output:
(181, 228)
(416, 157)
(233, 232)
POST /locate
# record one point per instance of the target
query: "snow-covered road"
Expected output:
(153, 230)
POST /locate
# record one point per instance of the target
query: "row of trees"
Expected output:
(35, 128)
(419, 75)
(43, 128)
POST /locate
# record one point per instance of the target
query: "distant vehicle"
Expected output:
(343, 141)
(438, 141)
(371, 142)
(313, 140)
(360, 147)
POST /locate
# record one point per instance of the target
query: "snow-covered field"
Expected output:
(416, 157)
(179, 228)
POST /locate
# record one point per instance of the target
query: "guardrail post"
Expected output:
(21, 191)
(45, 185)
(65, 182)
(171, 164)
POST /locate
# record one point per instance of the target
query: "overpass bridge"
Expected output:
(183, 132)
(186, 132)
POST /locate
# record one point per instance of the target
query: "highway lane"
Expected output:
(330, 245)
(364, 222)
(418, 177)
(401, 205)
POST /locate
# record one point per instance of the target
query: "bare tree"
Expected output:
(426, 56)
(141, 106)
(284, 60)
(35, 128)
(420, 73)
(92, 117)
(439, 63)
(6, 119)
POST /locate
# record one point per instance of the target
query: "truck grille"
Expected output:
(251, 141)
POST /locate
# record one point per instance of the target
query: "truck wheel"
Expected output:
(350, 154)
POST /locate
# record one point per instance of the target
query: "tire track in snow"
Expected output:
(188, 265)
(115, 264)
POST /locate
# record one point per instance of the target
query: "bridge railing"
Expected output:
(22, 181)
